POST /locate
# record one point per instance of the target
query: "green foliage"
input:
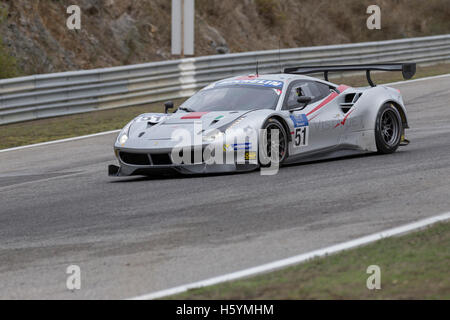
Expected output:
(8, 64)
(3, 14)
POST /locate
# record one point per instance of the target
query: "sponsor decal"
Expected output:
(237, 146)
(250, 155)
(253, 82)
(300, 120)
(242, 146)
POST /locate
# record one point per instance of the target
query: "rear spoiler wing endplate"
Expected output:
(408, 69)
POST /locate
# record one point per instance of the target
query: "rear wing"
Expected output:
(408, 69)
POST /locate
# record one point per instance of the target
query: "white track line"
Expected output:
(417, 80)
(60, 141)
(116, 131)
(296, 259)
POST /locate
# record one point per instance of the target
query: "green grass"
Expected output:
(413, 266)
(35, 131)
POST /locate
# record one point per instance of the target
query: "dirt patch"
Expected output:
(122, 32)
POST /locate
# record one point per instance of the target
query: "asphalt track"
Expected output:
(132, 236)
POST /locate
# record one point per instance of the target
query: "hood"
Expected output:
(161, 126)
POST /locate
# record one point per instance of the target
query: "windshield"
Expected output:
(231, 98)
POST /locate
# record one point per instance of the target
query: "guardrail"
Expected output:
(56, 94)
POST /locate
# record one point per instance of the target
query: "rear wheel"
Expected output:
(270, 144)
(388, 129)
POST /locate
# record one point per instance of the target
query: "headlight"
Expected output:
(123, 139)
(213, 136)
(123, 135)
(234, 124)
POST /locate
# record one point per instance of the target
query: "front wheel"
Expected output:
(388, 129)
(274, 129)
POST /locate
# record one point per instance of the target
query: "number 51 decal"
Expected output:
(301, 137)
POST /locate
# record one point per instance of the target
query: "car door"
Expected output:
(314, 125)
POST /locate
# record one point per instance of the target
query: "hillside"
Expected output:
(34, 37)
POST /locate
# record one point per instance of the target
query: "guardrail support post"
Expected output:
(183, 27)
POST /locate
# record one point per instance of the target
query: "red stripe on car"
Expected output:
(194, 115)
(330, 98)
(345, 119)
(249, 77)
(342, 88)
(324, 102)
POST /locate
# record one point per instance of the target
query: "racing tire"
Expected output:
(388, 129)
(271, 124)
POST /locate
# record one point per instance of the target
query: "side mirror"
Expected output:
(168, 105)
(303, 101)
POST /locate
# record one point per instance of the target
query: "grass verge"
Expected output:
(413, 266)
(35, 131)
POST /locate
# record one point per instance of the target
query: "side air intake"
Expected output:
(349, 100)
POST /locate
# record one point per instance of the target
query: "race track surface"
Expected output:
(132, 236)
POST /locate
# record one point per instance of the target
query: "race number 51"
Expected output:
(301, 136)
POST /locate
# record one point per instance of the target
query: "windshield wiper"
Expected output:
(186, 109)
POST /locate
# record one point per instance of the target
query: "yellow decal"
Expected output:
(250, 155)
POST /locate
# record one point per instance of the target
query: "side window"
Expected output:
(311, 90)
(324, 89)
(316, 90)
(294, 92)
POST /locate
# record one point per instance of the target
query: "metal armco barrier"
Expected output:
(48, 95)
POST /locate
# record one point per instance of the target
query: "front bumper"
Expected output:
(134, 162)
(126, 170)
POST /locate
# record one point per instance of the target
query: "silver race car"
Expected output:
(260, 121)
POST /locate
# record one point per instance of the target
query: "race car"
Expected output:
(262, 121)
